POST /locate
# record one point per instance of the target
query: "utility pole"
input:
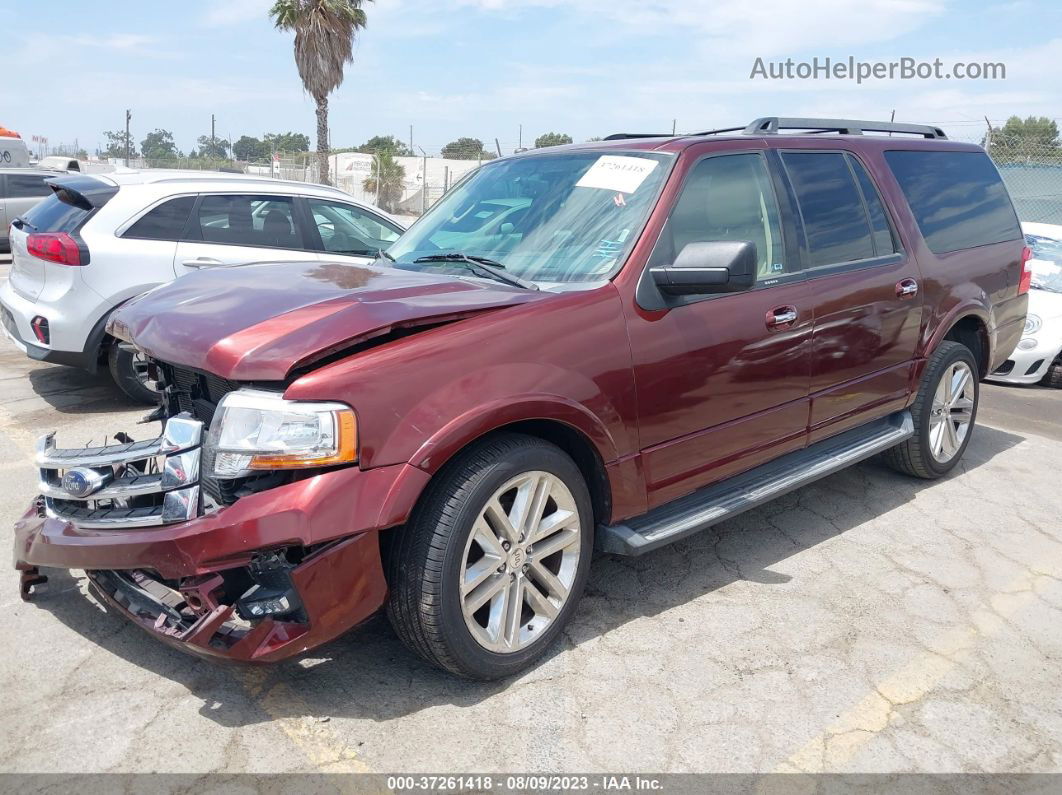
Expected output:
(213, 142)
(128, 116)
(520, 139)
(411, 139)
(674, 124)
(498, 147)
(988, 137)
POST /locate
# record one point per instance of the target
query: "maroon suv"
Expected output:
(614, 344)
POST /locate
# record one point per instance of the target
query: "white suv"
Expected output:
(99, 240)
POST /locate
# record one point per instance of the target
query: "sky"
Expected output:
(483, 68)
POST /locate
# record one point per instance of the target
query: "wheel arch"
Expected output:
(968, 326)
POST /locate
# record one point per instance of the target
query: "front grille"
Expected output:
(198, 394)
(125, 485)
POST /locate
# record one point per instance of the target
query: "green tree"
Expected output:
(159, 145)
(552, 139)
(466, 149)
(1034, 130)
(216, 149)
(385, 180)
(286, 142)
(385, 143)
(324, 45)
(116, 141)
(248, 148)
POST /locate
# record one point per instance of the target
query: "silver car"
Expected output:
(20, 189)
(99, 240)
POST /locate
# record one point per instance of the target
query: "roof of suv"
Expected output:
(216, 180)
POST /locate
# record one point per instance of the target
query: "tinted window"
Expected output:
(957, 198)
(53, 215)
(22, 186)
(165, 222)
(834, 220)
(346, 229)
(884, 242)
(263, 221)
(727, 198)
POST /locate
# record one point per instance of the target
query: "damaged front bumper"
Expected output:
(272, 575)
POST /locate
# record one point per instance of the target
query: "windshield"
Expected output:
(566, 217)
(1046, 264)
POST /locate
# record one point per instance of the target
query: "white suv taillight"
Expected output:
(58, 247)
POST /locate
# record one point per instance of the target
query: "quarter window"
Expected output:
(958, 198)
(727, 198)
(260, 221)
(835, 222)
(346, 229)
(165, 222)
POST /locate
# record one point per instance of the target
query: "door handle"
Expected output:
(906, 288)
(201, 262)
(781, 317)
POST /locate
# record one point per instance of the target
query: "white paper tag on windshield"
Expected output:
(617, 172)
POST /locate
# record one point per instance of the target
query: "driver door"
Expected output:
(723, 379)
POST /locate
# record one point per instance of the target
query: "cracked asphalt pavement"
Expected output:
(869, 623)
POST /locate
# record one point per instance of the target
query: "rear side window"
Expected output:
(957, 198)
(264, 221)
(54, 215)
(25, 186)
(884, 241)
(835, 222)
(165, 222)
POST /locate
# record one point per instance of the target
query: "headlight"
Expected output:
(1033, 323)
(255, 430)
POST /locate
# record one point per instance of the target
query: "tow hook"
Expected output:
(27, 579)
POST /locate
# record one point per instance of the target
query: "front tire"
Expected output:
(944, 413)
(491, 565)
(130, 372)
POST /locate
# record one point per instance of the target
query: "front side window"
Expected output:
(241, 220)
(550, 218)
(958, 198)
(346, 229)
(835, 223)
(730, 198)
(165, 222)
(25, 186)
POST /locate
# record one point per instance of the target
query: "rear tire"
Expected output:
(1053, 376)
(457, 568)
(944, 414)
(129, 371)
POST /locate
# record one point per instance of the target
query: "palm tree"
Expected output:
(324, 44)
(385, 180)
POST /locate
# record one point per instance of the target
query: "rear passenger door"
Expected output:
(230, 229)
(867, 292)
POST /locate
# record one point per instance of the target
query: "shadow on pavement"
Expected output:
(73, 391)
(368, 674)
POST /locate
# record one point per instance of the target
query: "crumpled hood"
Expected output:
(257, 322)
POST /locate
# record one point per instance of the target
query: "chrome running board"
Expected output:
(712, 504)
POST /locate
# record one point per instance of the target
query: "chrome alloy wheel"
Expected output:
(520, 561)
(952, 413)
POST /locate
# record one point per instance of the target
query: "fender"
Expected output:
(968, 308)
(483, 419)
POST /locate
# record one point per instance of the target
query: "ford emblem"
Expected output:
(81, 482)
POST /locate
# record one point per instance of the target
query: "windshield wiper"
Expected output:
(480, 265)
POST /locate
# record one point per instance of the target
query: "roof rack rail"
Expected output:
(623, 136)
(770, 125)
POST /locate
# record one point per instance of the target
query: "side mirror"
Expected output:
(716, 266)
